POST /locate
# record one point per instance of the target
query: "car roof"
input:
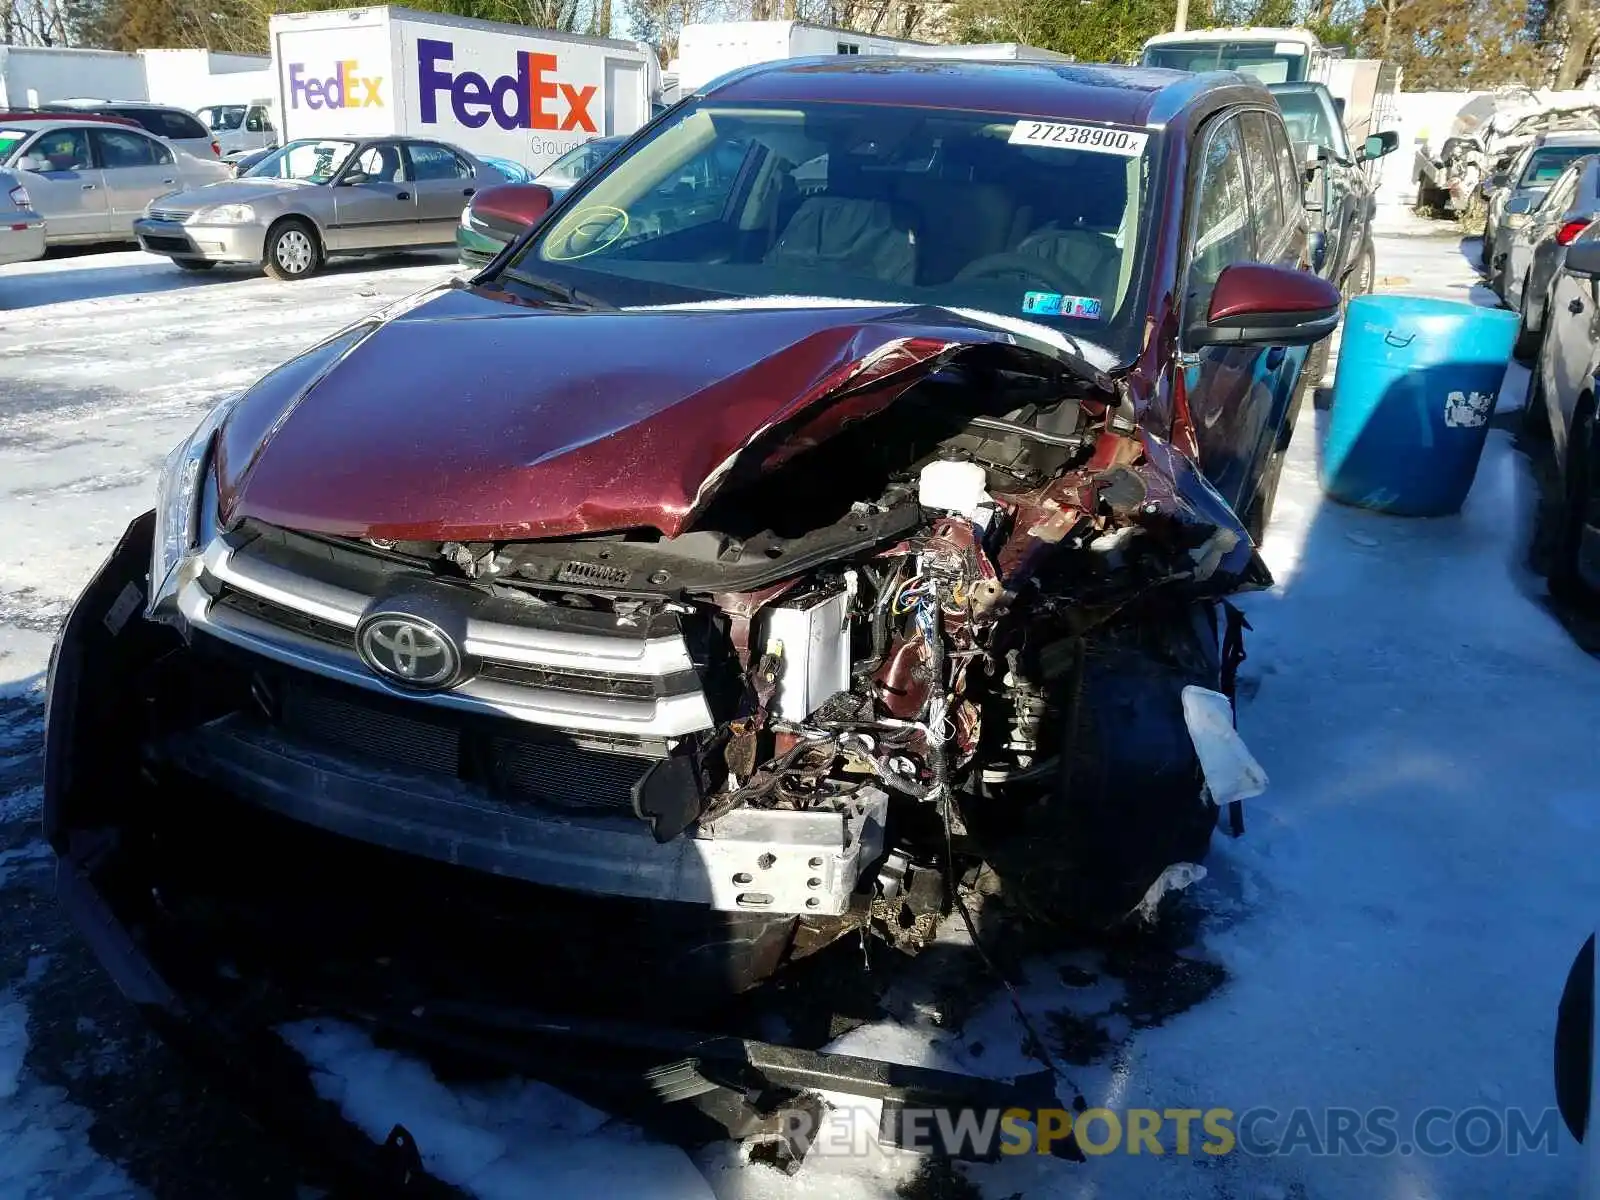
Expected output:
(64, 118)
(91, 105)
(1073, 91)
(1572, 137)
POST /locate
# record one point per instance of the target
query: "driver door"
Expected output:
(374, 206)
(68, 190)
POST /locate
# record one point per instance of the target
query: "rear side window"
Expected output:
(116, 148)
(1222, 207)
(166, 122)
(1265, 196)
(437, 162)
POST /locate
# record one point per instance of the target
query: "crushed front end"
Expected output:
(923, 642)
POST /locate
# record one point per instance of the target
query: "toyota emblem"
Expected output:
(408, 650)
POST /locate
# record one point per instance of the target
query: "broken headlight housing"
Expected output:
(179, 519)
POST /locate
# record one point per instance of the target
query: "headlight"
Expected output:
(226, 214)
(1516, 220)
(178, 516)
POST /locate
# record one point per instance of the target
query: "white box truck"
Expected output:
(32, 76)
(708, 49)
(500, 90)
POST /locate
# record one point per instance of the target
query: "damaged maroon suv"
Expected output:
(817, 522)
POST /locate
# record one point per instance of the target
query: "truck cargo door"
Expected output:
(624, 96)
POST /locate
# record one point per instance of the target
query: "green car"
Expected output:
(481, 235)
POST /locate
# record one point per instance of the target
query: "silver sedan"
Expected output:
(319, 197)
(1561, 409)
(91, 177)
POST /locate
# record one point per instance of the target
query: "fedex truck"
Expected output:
(504, 91)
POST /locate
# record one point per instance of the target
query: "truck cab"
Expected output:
(1269, 55)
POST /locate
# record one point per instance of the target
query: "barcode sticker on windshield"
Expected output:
(1095, 138)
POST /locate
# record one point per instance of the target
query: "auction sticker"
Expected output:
(1054, 304)
(1098, 139)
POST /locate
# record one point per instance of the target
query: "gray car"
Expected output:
(1561, 408)
(1530, 176)
(1539, 247)
(91, 178)
(319, 197)
(21, 229)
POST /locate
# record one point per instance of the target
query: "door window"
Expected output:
(1265, 193)
(1289, 174)
(62, 150)
(1222, 225)
(377, 164)
(436, 162)
(118, 148)
(258, 120)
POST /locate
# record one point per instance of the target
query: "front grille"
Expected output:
(168, 214)
(590, 683)
(582, 572)
(286, 618)
(175, 244)
(565, 772)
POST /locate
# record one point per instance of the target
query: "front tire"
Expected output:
(1535, 430)
(293, 250)
(1526, 348)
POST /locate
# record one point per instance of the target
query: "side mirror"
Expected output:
(516, 204)
(31, 162)
(1254, 304)
(1583, 259)
(1521, 206)
(1380, 144)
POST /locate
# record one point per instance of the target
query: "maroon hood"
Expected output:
(471, 418)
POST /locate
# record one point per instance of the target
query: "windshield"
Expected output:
(1547, 163)
(1310, 122)
(220, 118)
(1019, 218)
(1270, 62)
(315, 160)
(579, 161)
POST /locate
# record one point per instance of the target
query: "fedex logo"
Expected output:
(343, 89)
(520, 101)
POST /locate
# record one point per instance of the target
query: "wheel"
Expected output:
(1361, 277)
(1566, 582)
(292, 250)
(1526, 347)
(1535, 429)
(1259, 515)
(1483, 248)
(193, 264)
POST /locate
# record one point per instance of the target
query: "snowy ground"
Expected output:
(1393, 931)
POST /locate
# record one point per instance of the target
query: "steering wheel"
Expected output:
(1010, 265)
(586, 233)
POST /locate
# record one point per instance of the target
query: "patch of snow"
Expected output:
(507, 1141)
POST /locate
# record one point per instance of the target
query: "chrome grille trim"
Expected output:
(659, 716)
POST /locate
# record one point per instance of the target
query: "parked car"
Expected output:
(240, 127)
(1529, 177)
(1340, 195)
(485, 230)
(1561, 407)
(91, 178)
(1539, 246)
(319, 197)
(513, 171)
(176, 126)
(724, 573)
(21, 229)
(240, 162)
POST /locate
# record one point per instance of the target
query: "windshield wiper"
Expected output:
(564, 293)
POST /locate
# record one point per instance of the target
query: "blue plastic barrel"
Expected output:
(1415, 389)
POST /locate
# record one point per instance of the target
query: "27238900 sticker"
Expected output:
(1097, 139)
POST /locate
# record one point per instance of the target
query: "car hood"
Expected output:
(463, 415)
(232, 191)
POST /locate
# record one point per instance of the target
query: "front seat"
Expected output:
(873, 239)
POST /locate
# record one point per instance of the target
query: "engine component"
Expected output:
(956, 487)
(809, 632)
